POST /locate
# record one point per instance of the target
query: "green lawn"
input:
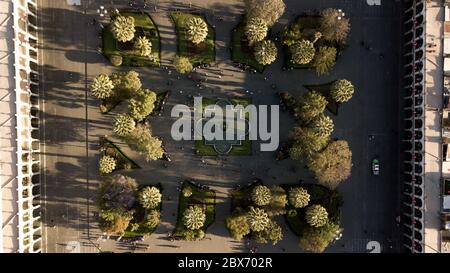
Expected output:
(330, 200)
(107, 147)
(205, 52)
(324, 89)
(143, 22)
(201, 197)
(240, 52)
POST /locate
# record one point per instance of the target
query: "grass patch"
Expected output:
(325, 89)
(144, 26)
(329, 199)
(139, 217)
(201, 197)
(107, 147)
(205, 52)
(241, 52)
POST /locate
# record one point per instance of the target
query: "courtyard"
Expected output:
(73, 125)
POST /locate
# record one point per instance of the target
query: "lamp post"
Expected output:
(341, 14)
(102, 11)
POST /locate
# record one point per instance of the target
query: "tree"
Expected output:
(123, 125)
(115, 221)
(150, 197)
(310, 105)
(237, 224)
(273, 233)
(182, 64)
(107, 164)
(255, 30)
(116, 60)
(143, 46)
(102, 87)
(317, 239)
(306, 144)
(126, 83)
(122, 28)
(267, 10)
(342, 90)
(291, 35)
(298, 197)
(334, 26)
(152, 219)
(265, 52)
(322, 125)
(187, 191)
(196, 30)
(261, 195)
(324, 59)
(143, 142)
(333, 165)
(302, 52)
(142, 104)
(258, 219)
(117, 192)
(316, 216)
(278, 202)
(194, 217)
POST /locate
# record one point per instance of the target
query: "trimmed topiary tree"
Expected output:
(122, 28)
(107, 164)
(182, 64)
(316, 216)
(258, 219)
(194, 217)
(322, 125)
(102, 87)
(261, 195)
(303, 52)
(116, 60)
(152, 219)
(342, 90)
(265, 52)
(123, 125)
(298, 197)
(150, 197)
(143, 46)
(255, 30)
(196, 30)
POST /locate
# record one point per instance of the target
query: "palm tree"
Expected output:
(342, 90)
(316, 216)
(261, 195)
(194, 217)
(107, 164)
(143, 46)
(122, 28)
(102, 87)
(123, 125)
(322, 125)
(196, 30)
(265, 52)
(150, 197)
(258, 219)
(255, 30)
(299, 197)
(302, 52)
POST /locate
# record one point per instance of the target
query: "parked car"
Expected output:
(375, 166)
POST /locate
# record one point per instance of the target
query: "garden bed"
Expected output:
(144, 26)
(205, 52)
(202, 197)
(107, 147)
(324, 89)
(241, 52)
(329, 199)
(161, 100)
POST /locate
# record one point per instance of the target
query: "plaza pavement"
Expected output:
(73, 123)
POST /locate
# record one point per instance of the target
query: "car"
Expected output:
(375, 166)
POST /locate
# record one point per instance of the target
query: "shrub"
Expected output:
(267, 10)
(118, 193)
(261, 195)
(123, 125)
(150, 197)
(342, 90)
(324, 59)
(122, 28)
(316, 216)
(196, 30)
(142, 104)
(291, 35)
(194, 217)
(116, 60)
(317, 239)
(102, 87)
(265, 52)
(298, 197)
(107, 164)
(237, 224)
(152, 219)
(187, 191)
(302, 52)
(255, 30)
(143, 46)
(115, 221)
(182, 64)
(322, 125)
(258, 219)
